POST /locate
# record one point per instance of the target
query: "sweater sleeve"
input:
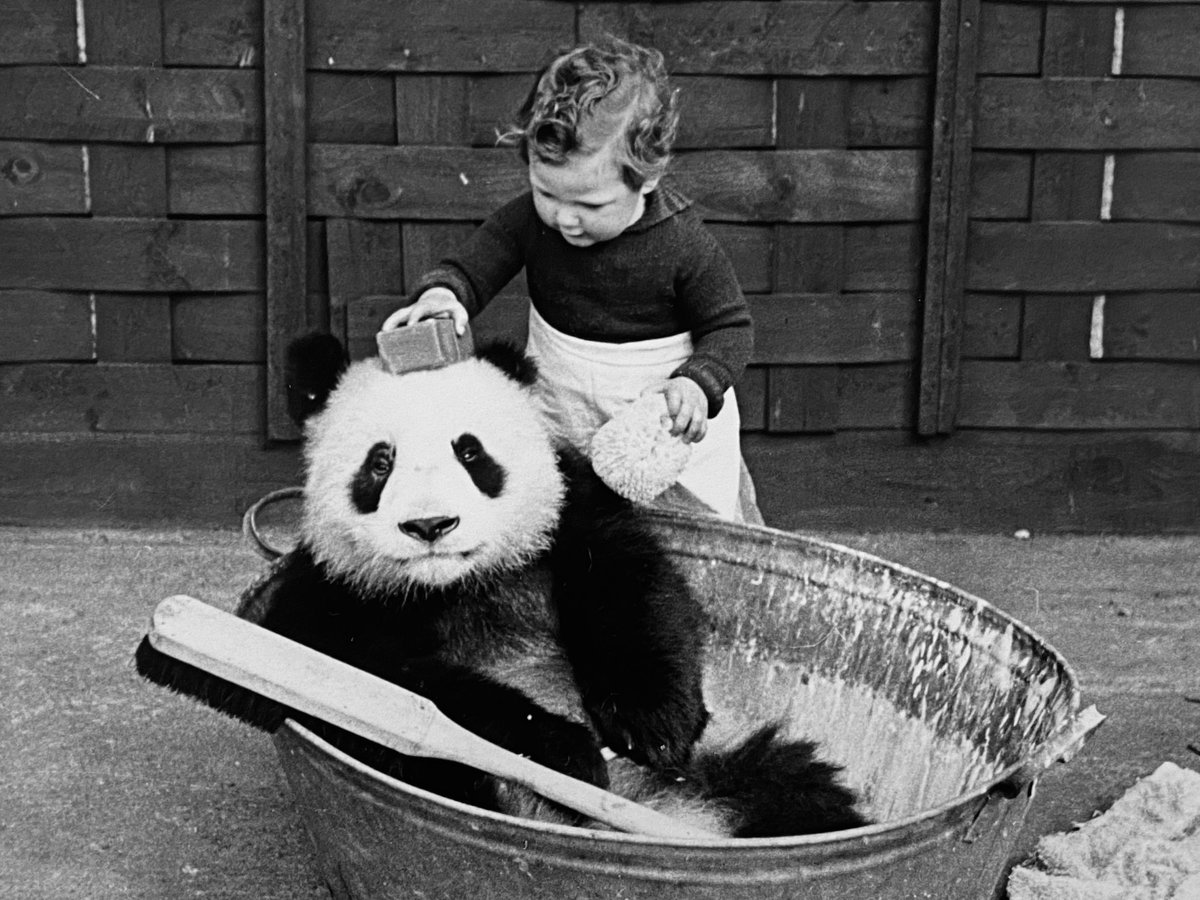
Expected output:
(480, 267)
(718, 317)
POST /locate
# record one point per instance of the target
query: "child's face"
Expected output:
(585, 199)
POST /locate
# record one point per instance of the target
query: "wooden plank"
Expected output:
(1067, 395)
(152, 255)
(883, 257)
(123, 32)
(133, 328)
(1079, 257)
(947, 215)
(802, 399)
(350, 108)
(1000, 185)
(888, 112)
(216, 180)
(1152, 326)
(1056, 327)
(42, 32)
(1012, 35)
(53, 398)
(219, 328)
(1067, 186)
(214, 33)
(1160, 186)
(811, 112)
(804, 185)
(809, 258)
(811, 37)
(364, 259)
(750, 249)
(42, 179)
(813, 329)
(128, 180)
(139, 480)
(434, 109)
(991, 326)
(46, 325)
(1087, 114)
(1161, 40)
(438, 36)
(752, 398)
(985, 481)
(285, 166)
(131, 104)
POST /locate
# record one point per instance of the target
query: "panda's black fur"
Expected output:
(553, 643)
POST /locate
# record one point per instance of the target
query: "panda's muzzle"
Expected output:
(429, 529)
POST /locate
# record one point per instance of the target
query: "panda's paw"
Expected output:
(660, 736)
(564, 746)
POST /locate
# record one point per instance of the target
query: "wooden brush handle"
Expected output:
(356, 701)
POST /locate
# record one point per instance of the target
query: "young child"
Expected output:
(630, 292)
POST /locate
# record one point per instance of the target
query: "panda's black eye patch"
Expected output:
(371, 477)
(487, 474)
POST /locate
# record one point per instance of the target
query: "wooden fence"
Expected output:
(970, 234)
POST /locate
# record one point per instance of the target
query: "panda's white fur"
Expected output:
(421, 415)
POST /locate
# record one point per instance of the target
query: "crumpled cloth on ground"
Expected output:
(1146, 847)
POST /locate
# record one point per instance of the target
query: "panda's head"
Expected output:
(426, 478)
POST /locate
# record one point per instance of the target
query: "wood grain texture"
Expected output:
(41, 32)
(121, 254)
(46, 325)
(219, 328)
(1087, 114)
(128, 180)
(1069, 395)
(123, 32)
(812, 37)
(438, 36)
(159, 399)
(1161, 40)
(214, 33)
(130, 104)
(42, 179)
(834, 328)
(1157, 186)
(1152, 326)
(133, 328)
(1082, 256)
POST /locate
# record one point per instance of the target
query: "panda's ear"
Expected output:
(509, 360)
(315, 362)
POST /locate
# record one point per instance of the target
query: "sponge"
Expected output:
(634, 452)
(428, 344)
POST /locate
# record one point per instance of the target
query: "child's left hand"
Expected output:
(687, 406)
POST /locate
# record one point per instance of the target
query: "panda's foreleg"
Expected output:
(634, 636)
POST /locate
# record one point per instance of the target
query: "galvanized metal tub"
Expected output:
(942, 709)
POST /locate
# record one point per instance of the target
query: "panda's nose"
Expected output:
(429, 529)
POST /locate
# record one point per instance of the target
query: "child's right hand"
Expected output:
(435, 303)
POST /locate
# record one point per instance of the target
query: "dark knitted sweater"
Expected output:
(662, 276)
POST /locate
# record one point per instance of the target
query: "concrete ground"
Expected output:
(113, 788)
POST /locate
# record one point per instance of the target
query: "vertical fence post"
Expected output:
(285, 172)
(949, 197)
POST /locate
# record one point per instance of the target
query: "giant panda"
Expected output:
(450, 545)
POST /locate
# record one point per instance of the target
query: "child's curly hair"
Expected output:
(608, 91)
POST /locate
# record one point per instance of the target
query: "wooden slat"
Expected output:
(131, 254)
(991, 326)
(219, 328)
(42, 179)
(750, 249)
(948, 211)
(1067, 186)
(1084, 256)
(285, 167)
(1152, 326)
(128, 180)
(811, 37)
(1066, 395)
(1162, 40)
(888, 112)
(883, 257)
(808, 399)
(834, 328)
(364, 259)
(1162, 186)
(133, 328)
(811, 113)
(160, 399)
(1011, 38)
(213, 33)
(1000, 185)
(350, 108)
(45, 325)
(436, 35)
(802, 399)
(1087, 114)
(434, 109)
(1056, 327)
(42, 32)
(752, 398)
(123, 32)
(809, 258)
(132, 104)
(216, 180)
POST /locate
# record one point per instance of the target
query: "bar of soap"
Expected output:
(428, 344)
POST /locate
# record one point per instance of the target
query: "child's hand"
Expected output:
(435, 303)
(687, 406)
